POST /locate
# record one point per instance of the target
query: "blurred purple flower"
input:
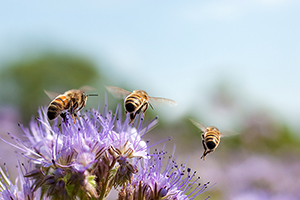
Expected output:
(10, 190)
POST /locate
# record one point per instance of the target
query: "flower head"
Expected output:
(82, 155)
(170, 182)
(88, 158)
(10, 190)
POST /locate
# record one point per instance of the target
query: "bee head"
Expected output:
(84, 96)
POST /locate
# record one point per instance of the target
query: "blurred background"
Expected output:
(230, 64)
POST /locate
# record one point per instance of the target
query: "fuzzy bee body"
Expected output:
(210, 138)
(60, 103)
(136, 101)
(71, 101)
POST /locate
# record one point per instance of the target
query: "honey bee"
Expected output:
(137, 101)
(210, 138)
(71, 101)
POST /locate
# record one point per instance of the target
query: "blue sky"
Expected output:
(175, 49)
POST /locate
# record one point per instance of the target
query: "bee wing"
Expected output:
(159, 100)
(86, 88)
(118, 92)
(51, 95)
(228, 133)
(200, 126)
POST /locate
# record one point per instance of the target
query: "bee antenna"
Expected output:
(151, 106)
(92, 95)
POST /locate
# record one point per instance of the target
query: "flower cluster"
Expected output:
(89, 158)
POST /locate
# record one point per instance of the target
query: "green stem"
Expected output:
(103, 192)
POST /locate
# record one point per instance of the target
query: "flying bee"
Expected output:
(137, 101)
(210, 138)
(71, 101)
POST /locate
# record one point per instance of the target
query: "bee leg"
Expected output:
(203, 156)
(145, 108)
(202, 135)
(75, 115)
(132, 117)
(72, 112)
(63, 116)
(207, 152)
(205, 149)
(142, 108)
(125, 113)
(203, 142)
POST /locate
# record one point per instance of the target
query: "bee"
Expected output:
(136, 101)
(71, 101)
(210, 138)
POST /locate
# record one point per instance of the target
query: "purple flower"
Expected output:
(10, 190)
(170, 182)
(88, 158)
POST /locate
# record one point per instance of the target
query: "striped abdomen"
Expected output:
(212, 139)
(133, 102)
(58, 105)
